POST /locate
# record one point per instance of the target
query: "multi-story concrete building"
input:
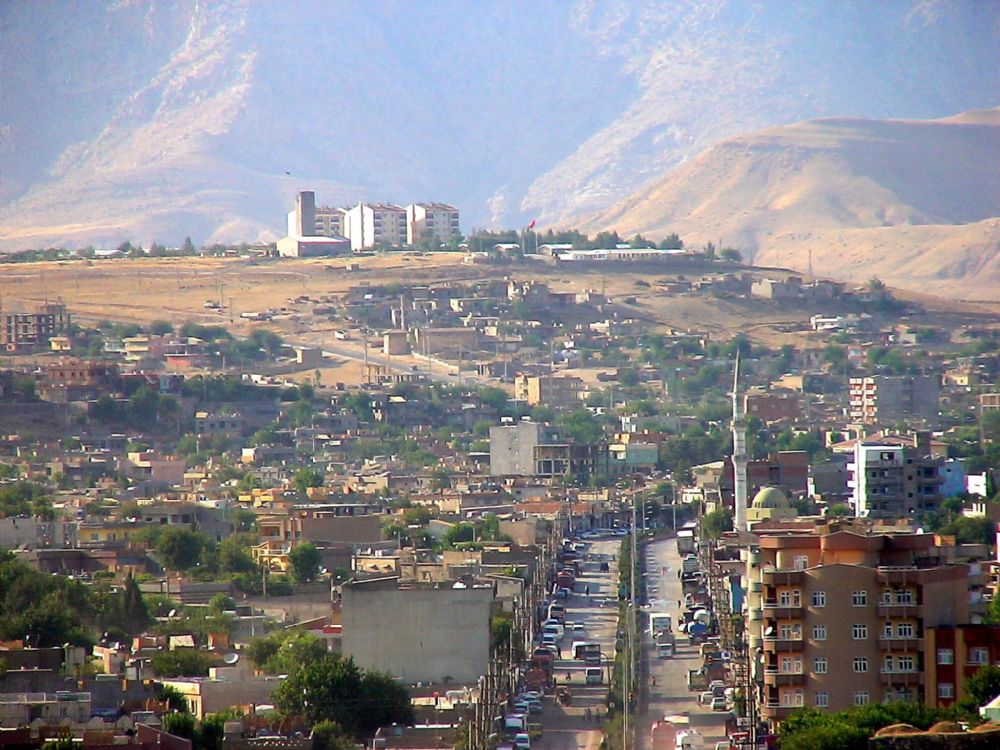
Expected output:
(23, 330)
(553, 391)
(953, 654)
(525, 449)
(438, 221)
(888, 480)
(772, 406)
(444, 635)
(839, 614)
(512, 448)
(883, 399)
(331, 221)
(374, 224)
(303, 239)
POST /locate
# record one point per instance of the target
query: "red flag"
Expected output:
(532, 224)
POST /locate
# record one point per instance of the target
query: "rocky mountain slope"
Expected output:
(153, 119)
(914, 202)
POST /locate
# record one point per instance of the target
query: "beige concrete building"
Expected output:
(436, 220)
(374, 224)
(837, 614)
(331, 221)
(548, 390)
(445, 634)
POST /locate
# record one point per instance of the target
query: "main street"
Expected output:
(566, 727)
(670, 695)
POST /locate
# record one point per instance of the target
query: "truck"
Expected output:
(659, 622)
(665, 650)
(697, 679)
(689, 564)
(685, 541)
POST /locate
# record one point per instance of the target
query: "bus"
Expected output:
(587, 651)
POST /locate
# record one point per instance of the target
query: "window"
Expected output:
(904, 597)
(906, 664)
(860, 697)
(904, 630)
(946, 690)
(860, 663)
(859, 598)
(859, 632)
(790, 632)
(819, 598)
(801, 562)
(890, 664)
(822, 699)
(887, 630)
(819, 632)
(945, 656)
(979, 655)
(819, 665)
(789, 598)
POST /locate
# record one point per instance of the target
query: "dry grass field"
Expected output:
(176, 289)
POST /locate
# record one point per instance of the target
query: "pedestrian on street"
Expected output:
(653, 680)
(588, 590)
(587, 716)
(559, 650)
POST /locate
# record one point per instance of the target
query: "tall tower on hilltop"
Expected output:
(739, 453)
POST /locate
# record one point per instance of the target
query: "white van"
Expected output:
(593, 676)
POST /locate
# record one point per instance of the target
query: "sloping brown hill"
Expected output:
(914, 202)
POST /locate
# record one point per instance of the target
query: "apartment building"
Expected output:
(331, 221)
(374, 224)
(838, 614)
(23, 330)
(772, 406)
(954, 654)
(436, 220)
(888, 480)
(524, 449)
(548, 390)
(883, 399)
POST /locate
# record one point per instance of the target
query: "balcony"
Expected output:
(896, 575)
(774, 577)
(775, 677)
(778, 611)
(777, 711)
(775, 644)
(899, 677)
(901, 644)
(896, 609)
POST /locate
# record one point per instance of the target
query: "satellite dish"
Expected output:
(231, 658)
(770, 630)
(726, 656)
(172, 613)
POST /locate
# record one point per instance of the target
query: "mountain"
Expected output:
(916, 203)
(155, 119)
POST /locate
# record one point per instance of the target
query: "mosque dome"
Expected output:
(770, 497)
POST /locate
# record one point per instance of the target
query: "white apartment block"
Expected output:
(331, 221)
(372, 224)
(439, 220)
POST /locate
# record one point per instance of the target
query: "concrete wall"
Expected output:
(418, 634)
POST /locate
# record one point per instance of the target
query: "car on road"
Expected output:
(522, 741)
(549, 640)
(706, 698)
(578, 629)
(719, 704)
(605, 568)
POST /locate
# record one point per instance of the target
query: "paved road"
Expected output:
(670, 695)
(565, 728)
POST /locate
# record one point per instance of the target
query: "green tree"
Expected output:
(329, 735)
(307, 477)
(334, 689)
(839, 510)
(180, 725)
(173, 697)
(716, 523)
(161, 327)
(181, 662)
(980, 689)
(179, 549)
(304, 559)
(187, 248)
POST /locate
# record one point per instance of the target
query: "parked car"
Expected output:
(719, 703)
(706, 698)
(522, 741)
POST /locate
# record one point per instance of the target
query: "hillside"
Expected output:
(165, 118)
(916, 203)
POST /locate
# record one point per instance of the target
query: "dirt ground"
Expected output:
(177, 289)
